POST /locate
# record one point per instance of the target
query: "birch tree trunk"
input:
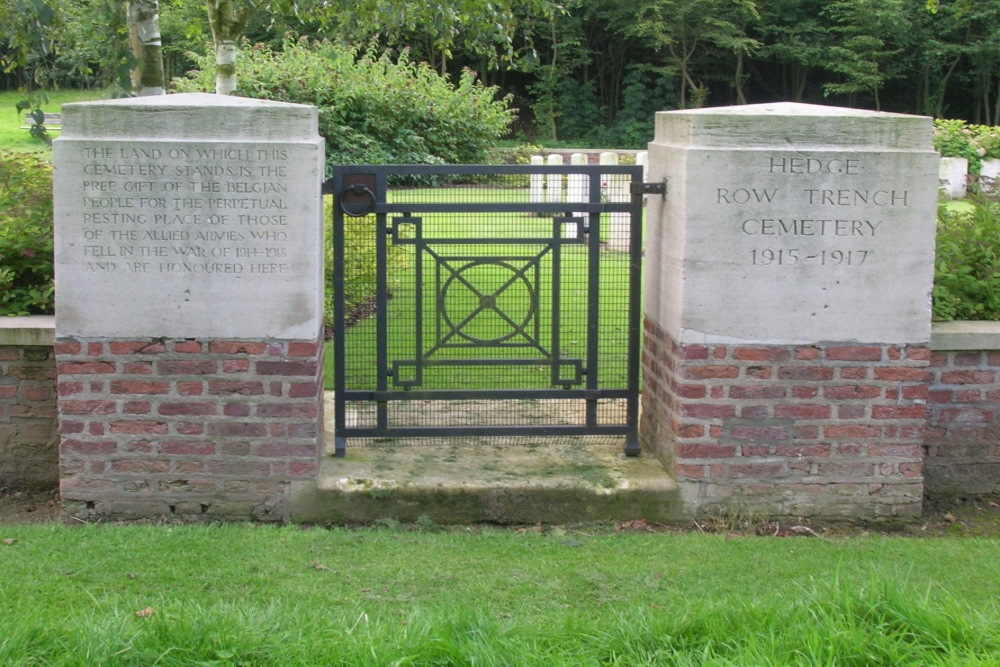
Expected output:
(228, 19)
(144, 34)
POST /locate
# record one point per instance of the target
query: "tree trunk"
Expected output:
(144, 34)
(995, 120)
(741, 97)
(227, 23)
(225, 67)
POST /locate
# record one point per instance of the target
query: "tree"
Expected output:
(868, 46)
(227, 20)
(683, 30)
(795, 38)
(144, 35)
(435, 30)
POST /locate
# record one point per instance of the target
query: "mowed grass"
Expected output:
(258, 595)
(12, 137)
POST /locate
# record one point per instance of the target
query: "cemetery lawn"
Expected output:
(13, 138)
(388, 595)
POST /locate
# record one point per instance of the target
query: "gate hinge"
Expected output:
(649, 188)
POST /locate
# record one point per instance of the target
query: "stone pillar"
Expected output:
(189, 305)
(787, 305)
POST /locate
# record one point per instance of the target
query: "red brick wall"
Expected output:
(831, 430)
(963, 438)
(220, 429)
(198, 428)
(29, 450)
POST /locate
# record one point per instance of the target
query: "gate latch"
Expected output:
(357, 199)
(649, 188)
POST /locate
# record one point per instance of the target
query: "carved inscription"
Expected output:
(186, 210)
(803, 223)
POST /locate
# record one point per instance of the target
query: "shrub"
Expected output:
(967, 264)
(26, 244)
(360, 277)
(955, 138)
(373, 109)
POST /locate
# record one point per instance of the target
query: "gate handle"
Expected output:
(357, 189)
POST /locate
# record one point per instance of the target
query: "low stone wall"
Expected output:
(963, 436)
(29, 450)
(961, 439)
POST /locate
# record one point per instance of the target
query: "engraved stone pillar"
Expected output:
(189, 305)
(787, 305)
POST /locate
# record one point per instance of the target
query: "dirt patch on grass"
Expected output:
(23, 507)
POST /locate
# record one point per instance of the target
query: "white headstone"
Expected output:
(577, 190)
(189, 215)
(989, 175)
(614, 188)
(953, 177)
(791, 223)
(536, 188)
(554, 182)
(642, 159)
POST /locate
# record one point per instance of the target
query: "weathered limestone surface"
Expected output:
(792, 223)
(191, 214)
(787, 308)
(189, 306)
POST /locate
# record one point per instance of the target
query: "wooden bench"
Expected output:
(53, 121)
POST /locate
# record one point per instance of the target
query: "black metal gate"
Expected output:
(486, 301)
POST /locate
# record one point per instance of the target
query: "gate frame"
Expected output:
(339, 182)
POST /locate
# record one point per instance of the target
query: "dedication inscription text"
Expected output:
(195, 209)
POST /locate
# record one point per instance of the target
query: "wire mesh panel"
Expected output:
(482, 301)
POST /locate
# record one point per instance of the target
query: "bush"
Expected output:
(27, 284)
(967, 264)
(373, 109)
(360, 277)
(955, 138)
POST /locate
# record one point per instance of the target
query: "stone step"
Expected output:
(488, 480)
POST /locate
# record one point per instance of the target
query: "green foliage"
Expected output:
(956, 138)
(373, 109)
(582, 115)
(967, 265)
(26, 243)
(360, 277)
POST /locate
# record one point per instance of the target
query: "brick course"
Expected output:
(28, 434)
(828, 430)
(775, 453)
(963, 435)
(200, 428)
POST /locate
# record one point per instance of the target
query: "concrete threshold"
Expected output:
(487, 480)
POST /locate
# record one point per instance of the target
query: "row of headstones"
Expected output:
(953, 176)
(553, 188)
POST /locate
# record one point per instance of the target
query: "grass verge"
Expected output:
(251, 595)
(12, 137)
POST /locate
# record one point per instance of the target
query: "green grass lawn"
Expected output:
(12, 137)
(253, 595)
